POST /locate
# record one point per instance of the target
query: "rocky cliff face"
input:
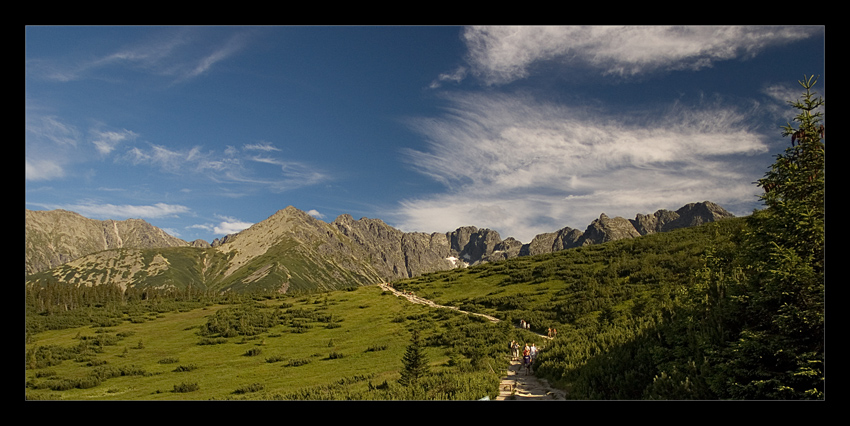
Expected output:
(396, 254)
(59, 236)
(401, 255)
(607, 229)
(553, 241)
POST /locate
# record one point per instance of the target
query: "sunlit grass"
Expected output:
(365, 320)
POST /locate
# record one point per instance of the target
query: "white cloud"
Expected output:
(230, 225)
(229, 48)
(523, 167)
(455, 76)
(205, 227)
(261, 146)
(230, 167)
(49, 146)
(51, 129)
(43, 170)
(315, 213)
(178, 53)
(502, 54)
(126, 211)
(162, 157)
(173, 232)
(105, 141)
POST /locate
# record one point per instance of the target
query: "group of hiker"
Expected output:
(529, 352)
(550, 331)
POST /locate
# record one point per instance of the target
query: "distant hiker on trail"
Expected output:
(522, 324)
(554, 332)
(514, 350)
(533, 352)
(549, 332)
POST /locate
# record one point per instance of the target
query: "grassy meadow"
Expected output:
(356, 336)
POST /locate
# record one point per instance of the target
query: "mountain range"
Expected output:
(293, 250)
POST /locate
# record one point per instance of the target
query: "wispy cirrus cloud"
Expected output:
(49, 145)
(260, 146)
(523, 167)
(95, 210)
(233, 165)
(105, 141)
(502, 54)
(180, 54)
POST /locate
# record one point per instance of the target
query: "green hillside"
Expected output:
(350, 344)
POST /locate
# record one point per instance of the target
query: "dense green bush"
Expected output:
(185, 368)
(253, 352)
(186, 387)
(253, 387)
(239, 320)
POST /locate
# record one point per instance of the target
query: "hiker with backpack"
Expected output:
(526, 358)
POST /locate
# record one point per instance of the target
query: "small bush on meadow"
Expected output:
(376, 348)
(184, 368)
(275, 358)
(254, 387)
(297, 362)
(186, 387)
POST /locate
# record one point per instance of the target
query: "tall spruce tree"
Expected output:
(415, 362)
(779, 352)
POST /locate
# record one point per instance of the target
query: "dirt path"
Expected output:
(417, 299)
(517, 385)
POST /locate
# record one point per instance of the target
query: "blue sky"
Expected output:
(203, 131)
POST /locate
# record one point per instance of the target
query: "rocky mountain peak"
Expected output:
(55, 237)
(607, 229)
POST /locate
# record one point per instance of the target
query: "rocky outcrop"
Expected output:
(200, 244)
(506, 249)
(695, 214)
(607, 229)
(652, 223)
(550, 242)
(397, 254)
(58, 236)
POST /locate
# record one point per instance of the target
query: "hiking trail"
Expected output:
(517, 384)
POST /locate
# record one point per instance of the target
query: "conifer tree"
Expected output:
(415, 362)
(779, 353)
